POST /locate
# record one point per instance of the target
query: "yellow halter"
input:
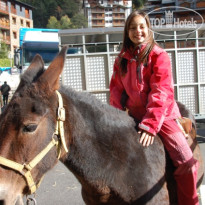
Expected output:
(25, 169)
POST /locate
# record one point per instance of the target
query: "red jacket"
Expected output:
(150, 90)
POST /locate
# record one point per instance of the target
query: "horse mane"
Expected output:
(100, 112)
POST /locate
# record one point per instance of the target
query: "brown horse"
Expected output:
(104, 152)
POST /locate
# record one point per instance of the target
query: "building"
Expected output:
(178, 8)
(107, 13)
(14, 15)
(167, 16)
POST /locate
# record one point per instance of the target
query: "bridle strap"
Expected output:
(11, 164)
(60, 120)
(41, 155)
(25, 169)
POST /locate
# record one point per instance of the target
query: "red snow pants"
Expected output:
(182, 157)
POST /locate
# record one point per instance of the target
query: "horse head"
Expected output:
(28, 130)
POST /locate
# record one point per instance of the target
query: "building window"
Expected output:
(108, 14)
(28, 24)
(14, 34)
(21, 21)
(14, 20)
(109, 21)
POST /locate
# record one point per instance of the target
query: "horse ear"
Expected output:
(52, 74)
(35, 69)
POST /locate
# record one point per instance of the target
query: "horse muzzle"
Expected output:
(6, 198)
(2, 196)
(18, 202)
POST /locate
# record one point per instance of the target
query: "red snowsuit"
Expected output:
(151, 101)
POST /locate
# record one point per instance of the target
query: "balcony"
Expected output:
(97, 11)
(98, 17)
(27, 15)
(4, 10)
(13, 10)
(120, 24)
(98, 24)
(4, 24)
(6, 40)
(122, 17)
(117, 11)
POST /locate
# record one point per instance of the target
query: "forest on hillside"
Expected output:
(62, 14)
(57, 13)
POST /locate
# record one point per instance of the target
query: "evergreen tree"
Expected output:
(53, 23)
(65, 22)
(43, 9)
(138, 4)
(79, 21)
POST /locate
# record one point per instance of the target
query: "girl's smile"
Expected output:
(138, 30)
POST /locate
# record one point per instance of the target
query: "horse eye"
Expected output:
(30, 128)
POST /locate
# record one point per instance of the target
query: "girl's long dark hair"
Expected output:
(127, 43)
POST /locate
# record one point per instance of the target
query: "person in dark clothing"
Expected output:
(5, 88)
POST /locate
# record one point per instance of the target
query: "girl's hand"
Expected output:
(146, 138)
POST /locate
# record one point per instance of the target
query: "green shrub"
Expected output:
(5, 62)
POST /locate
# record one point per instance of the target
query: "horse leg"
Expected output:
(105, 196)
(92, 197)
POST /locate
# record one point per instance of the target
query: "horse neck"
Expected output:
(77, 135)
(93, 129)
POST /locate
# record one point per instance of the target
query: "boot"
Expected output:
(186, 178)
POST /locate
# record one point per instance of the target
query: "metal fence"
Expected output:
(91, 68)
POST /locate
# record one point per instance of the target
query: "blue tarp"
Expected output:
(7, 69)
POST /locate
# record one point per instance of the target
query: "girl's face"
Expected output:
(138, 30)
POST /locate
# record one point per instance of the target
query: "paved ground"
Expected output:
(59, 186)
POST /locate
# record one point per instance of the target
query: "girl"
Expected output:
(142, 73)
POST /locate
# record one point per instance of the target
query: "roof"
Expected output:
(91, 31)
(39, 36)
(25, 4)
(24, 30)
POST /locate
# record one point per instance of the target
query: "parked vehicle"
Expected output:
(44, 42)
(32, 41)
